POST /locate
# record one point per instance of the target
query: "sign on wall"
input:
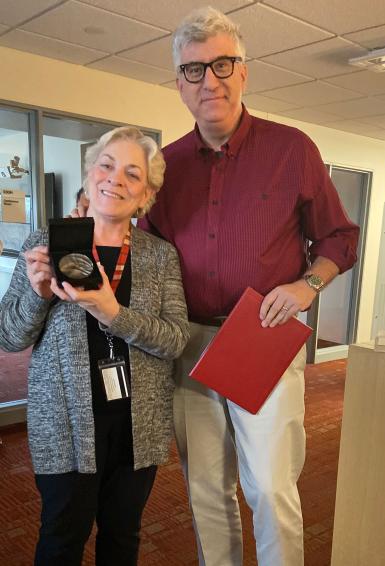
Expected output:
(13, 206)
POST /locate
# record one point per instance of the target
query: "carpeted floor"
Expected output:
(167, 535)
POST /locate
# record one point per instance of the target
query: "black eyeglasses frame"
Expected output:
(182, 68)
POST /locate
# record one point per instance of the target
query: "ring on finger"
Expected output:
(284, 308)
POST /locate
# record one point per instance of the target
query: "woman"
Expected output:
(96, 458)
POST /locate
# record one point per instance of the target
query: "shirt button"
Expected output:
(211, 273)
(211, 236)
(214, 202)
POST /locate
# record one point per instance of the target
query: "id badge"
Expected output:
(114, 378)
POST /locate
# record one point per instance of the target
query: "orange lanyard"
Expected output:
(124, 251)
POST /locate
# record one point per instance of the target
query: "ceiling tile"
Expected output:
(374, 120)
(54, 48)
(265, 104)
(381, 97)
(309, 115)
(164, 13)
(267, 31)
(336, 16)
(156, 53)
(372, 38)
(262, 76)
(352, 126)
(380, 135)
(366, 82)
(356, 108)
(132, 69)
(13, 12)
(321, 59)
(92, 27)
(311, 94)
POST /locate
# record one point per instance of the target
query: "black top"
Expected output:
(97, 341)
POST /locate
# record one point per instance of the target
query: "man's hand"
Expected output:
(80, 211)
(39, 271)
(286, 301)
(101, 303)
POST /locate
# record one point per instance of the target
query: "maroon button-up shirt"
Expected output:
(241, 217)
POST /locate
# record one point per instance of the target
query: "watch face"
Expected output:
(314, 281)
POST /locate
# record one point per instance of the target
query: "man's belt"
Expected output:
(214, 321)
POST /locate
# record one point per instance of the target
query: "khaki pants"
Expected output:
(216, 438)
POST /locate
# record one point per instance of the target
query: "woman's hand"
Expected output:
(39, 271)
(101, 303)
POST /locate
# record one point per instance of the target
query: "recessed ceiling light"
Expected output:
(373, 61)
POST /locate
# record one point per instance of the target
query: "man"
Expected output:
(81, 198)
(241, 198)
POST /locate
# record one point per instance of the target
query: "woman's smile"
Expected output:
(111, 194)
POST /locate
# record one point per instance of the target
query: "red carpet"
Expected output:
(167, 536)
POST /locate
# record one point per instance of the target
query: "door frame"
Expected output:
(317, 355)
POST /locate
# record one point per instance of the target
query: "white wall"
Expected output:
(40, 81)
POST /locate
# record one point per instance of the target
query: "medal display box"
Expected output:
(70, 248)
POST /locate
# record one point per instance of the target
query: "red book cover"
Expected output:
(245, 361)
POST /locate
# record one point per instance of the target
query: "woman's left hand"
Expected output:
(101, 303)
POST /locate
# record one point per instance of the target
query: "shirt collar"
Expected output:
(233, 144)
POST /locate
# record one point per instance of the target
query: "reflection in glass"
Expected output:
(76, 266)
(15, 179)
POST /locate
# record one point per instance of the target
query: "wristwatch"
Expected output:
(314, 281)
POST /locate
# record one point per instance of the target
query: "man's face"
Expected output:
(214, 103)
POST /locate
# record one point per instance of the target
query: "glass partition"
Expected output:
(15, 180)
(15, 225)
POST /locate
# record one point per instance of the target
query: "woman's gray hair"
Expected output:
(154, 158)
(201, 24)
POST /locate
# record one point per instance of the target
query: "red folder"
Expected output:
(245, 361)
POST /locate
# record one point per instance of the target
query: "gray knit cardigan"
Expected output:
(155, 327)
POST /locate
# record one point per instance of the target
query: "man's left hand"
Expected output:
(286, 301)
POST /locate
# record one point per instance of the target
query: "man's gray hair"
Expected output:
(154, 158)
(201, 24)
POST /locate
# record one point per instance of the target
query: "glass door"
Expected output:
(334, 316)
(16, 222)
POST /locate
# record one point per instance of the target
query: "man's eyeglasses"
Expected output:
(223, 68)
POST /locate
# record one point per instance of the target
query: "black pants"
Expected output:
(115, 496)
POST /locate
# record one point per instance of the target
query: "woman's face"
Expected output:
(117, 182)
